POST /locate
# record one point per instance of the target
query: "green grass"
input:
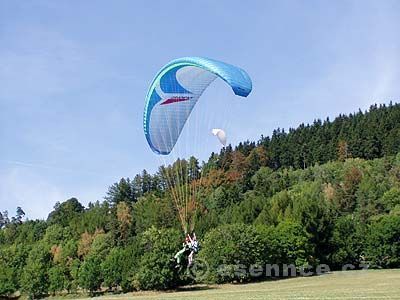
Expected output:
(371, 284)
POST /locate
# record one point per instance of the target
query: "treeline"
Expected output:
(317, 194)
(367, 135)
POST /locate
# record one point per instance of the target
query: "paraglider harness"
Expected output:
(194, 246)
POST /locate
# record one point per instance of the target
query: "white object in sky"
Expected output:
(220, 134)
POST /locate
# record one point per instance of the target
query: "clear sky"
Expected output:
(74, 74)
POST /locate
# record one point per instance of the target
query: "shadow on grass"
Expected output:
(275, 278)
(193, 288)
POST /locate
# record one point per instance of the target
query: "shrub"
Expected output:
(346, 242)
(383, 243)
(230, 248)
(90, 276)
(34, 279)
(112, 268)
(234, 252)
(291, 243)
(7, 285)
(154, 270)
(57, 279)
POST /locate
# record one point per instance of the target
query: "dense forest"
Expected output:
(323, 193)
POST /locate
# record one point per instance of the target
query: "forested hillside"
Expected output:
(327, 193)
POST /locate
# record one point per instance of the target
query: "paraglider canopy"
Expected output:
(220, 134)
(170, 100)
(175, 91)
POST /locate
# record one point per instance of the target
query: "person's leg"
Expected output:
(178, 255)
(191, 258)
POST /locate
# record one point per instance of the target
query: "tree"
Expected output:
(34, 279)
(113, 268)
(346, 241)
(154, 269)
(130, 256)
(229, 246)
(20, 215)
(314, 213)
(90, 275)
(101, 245)
(64, 212)
(8, 285)
(346, 194)
(153, 211)
(4, 220)
(73, 276)
(146, 182)
(390, 199)
(267, 182)
(98, 216)
(57, 279)
(193, 169)
(123, 191)
(239, 163)
(13, 260)
(383, 244)
(293, 245)
(343, 150)
(54, 235)
(84, 244)
(124, 219)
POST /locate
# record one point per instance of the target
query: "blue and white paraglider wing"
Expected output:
(175, 91)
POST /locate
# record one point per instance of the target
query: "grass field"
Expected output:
(371, 284)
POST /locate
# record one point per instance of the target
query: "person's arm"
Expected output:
(190, 238)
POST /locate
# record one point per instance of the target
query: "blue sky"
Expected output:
(73, 76)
